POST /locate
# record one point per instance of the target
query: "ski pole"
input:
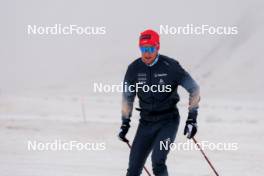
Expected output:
(143, 166)
(206, 158)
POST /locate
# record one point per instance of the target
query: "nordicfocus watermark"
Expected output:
(125, 87)
(59, 145)
(59, 29)
(205, 145)
(204, 29)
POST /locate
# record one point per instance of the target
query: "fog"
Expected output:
(46, 82)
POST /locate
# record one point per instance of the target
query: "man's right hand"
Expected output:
(124, 129)
(191, 125)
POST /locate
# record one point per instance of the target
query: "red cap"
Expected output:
(149, 37)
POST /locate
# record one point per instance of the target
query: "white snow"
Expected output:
(46, 83)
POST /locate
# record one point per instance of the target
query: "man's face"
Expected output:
(148, 53)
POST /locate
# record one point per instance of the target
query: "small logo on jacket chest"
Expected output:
(142, 78)
(156, 75)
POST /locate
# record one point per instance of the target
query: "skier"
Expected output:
(159, 116)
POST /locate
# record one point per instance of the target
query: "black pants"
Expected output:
(147, 139)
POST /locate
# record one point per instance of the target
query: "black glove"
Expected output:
(191, 125)
(124, 129)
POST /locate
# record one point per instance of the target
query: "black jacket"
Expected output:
(167, 74)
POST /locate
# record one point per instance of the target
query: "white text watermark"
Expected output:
(59, 145)
(125, 87)
(59, 29)
(205, 145)
(204, 29)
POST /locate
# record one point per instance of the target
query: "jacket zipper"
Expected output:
(152, 98)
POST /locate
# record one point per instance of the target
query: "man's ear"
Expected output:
(158, 46)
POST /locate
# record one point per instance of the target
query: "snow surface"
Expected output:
(46, 84)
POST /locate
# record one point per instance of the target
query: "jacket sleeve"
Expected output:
(128, 95)
(188, 83)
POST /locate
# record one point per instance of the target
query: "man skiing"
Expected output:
(159, 117)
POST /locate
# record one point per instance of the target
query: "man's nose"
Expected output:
(147, 54)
